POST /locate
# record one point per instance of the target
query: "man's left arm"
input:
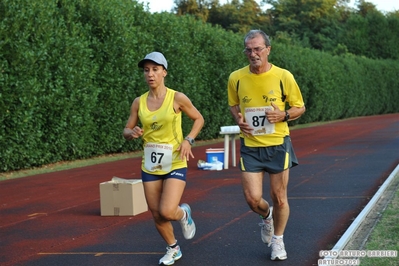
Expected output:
(293, 113)
(294, 99)
(276, 115)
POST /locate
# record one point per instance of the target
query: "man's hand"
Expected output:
(244, 126)
(275, 115)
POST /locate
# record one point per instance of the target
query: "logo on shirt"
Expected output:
(155, 126)
(246, 99)
(268, 99)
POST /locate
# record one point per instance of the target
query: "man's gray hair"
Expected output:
(253, 33)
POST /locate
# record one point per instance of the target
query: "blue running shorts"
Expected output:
(177, 173)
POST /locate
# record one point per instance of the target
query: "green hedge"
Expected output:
(68, 75)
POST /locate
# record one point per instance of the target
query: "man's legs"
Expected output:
(278, 193)
(253, 189)
(252, 184)
(281, 211)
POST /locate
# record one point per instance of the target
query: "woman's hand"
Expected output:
(129, 133)
(185, 150)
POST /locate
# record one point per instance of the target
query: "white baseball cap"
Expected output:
(155, 57)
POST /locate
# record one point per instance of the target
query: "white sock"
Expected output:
(278, 237)
(270, 214)
(173, 245)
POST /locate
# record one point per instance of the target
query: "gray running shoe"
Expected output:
(187, 225)
(172, 255)
(267, 229)
(278, 250)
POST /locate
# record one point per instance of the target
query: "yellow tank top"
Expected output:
(162, 136)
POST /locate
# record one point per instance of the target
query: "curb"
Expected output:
(343, 241)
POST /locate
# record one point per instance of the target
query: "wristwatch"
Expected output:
(190, 140)
(287, 116)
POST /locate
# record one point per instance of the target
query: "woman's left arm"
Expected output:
(183, 103)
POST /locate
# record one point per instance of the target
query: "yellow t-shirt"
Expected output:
(162, 136)
(255, 93)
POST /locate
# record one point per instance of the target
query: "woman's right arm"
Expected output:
(131, 130)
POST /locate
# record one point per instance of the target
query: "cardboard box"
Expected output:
(122, 197)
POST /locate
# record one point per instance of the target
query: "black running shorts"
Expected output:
(273, 159)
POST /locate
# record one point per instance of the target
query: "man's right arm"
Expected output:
(235, 110)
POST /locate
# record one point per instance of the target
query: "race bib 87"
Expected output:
(256, 118)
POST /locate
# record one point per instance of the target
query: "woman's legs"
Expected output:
(163, 198)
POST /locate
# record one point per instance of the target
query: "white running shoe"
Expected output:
(267, 229)
(187, 225)
(278, 250)
(172, 255)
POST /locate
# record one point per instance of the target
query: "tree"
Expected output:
(314, 22)
(355, 34)
(327, 25)
(238, 16)
(369, 32)
(392, 43)
(197, 8)
(365, 7)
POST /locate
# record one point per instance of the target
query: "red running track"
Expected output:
(54, 218)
